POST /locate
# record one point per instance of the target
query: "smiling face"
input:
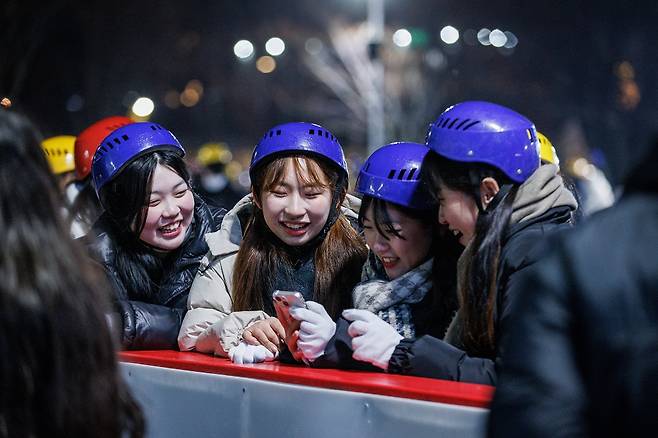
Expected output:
(296, 204)
(399, 253)
(170, 210)
(458, 212)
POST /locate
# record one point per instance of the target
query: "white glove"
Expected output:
(373, 339)
(315, 330)
(245, 353)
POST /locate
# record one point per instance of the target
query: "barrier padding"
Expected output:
(418, 388)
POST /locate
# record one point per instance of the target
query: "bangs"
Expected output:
(309, 172)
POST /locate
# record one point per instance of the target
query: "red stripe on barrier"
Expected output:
(417, 388)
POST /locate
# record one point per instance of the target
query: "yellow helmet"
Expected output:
(59, 152)
(214, 153)
(547, 152)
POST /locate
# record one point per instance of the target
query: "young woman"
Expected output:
(409, 278)
(499, 202)
(84, 207)
(150, 237)
(293, 232)
(58, 372)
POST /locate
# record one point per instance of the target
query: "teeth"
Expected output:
(170, 228)
(388, 259)
(295, 226)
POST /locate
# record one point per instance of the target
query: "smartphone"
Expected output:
(283, 300)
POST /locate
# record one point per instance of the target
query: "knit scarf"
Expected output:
(390, 299)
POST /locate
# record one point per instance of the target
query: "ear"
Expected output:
(256, 199)
(488, 189)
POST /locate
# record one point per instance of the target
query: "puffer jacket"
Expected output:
(153, 322)
(535, 216)
(209, 325)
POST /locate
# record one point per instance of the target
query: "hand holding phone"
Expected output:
(283, 302)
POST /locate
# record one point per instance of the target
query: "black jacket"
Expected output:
(153, 321)
(581, 357)
(428, 356)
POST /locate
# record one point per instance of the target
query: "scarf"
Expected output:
(391, 299)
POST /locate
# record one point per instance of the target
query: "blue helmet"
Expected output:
(127, 143)
(299, 137)
(393, 173)
(484, 132)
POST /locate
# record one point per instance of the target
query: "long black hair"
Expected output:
(126, 200)
(478, 281)
(58, 369)
(445, 250)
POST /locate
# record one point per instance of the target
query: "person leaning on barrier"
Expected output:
(582, 350)
(58, 369)
(499, 203)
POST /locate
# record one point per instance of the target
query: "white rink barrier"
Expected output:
(195, 395)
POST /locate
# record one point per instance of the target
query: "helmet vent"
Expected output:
(445, 122)
(452, 123)
(391, 174)
(461, 123)
(311, 131)
(320, 132)
(401, 174)
(470, 125)
(125, 137)
(271, 134)
(116, 140)
(278, 132)
(411, 173)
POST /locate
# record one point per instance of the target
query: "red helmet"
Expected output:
(89, 140)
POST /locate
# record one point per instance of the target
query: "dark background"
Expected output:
(68, 63)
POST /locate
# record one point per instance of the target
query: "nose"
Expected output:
(380, 245)
(442, 219)
(295, 206)
(171, 208)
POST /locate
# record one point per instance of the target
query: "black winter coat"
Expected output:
(428, 356)
(581, 357)
(153, 322)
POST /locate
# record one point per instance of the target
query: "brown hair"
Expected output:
(338, 259)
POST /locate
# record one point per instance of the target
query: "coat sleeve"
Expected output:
(540, 392)
(208, 303)
(144, 326)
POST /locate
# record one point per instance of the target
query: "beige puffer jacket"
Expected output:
(209, 325)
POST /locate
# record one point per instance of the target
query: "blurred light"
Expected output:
(189, 97)
(449, 35)
(143, 107)
(313, 46)
(497, 38)
(625, 70)
(435, 59)
(243, 49)
(244, 179)
(483, 36)
(74, 103)
(512, 40)
(195, 85)
(266, 64)
(275, 46)
(402, 38)
(581, 167)
(172, 99)
(233, 170)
